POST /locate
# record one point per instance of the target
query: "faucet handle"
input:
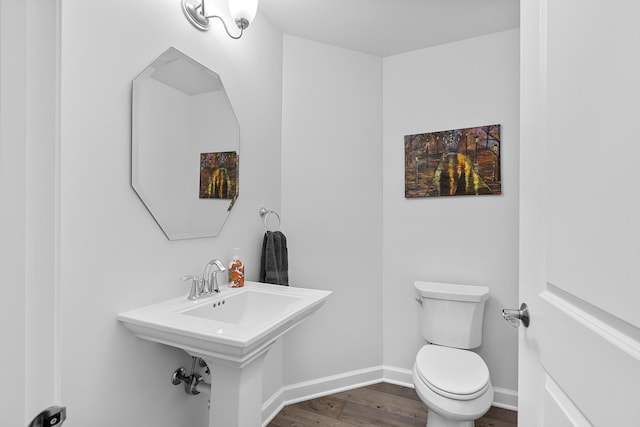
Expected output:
(193, 293)
(213, 282)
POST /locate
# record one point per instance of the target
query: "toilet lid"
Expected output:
(451, 372)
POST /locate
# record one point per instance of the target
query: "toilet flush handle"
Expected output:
(419, 300)
(514, 317)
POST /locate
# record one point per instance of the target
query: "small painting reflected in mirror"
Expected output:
(219, 175)
(453, 163)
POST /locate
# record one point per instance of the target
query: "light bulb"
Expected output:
(243, 11)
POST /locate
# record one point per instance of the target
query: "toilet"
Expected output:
(451, 380)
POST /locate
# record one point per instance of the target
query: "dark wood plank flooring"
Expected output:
(381, 404)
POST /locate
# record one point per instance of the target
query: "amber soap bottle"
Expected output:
(236, 271)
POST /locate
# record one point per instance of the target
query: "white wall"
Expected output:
(333, 214)
(331, 205)
(470, 240)
(113, 256)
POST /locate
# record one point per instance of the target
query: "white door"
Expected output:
(580, 213)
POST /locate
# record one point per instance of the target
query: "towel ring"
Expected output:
(264, 213)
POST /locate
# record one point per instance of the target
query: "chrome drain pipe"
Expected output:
(193, 383)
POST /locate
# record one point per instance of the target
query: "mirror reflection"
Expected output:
(185, 145)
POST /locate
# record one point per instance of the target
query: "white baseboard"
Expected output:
(505, 398)
(397, 376)
(288, 395)
(307, 390)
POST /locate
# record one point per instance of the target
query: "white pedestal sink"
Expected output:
(232, 332)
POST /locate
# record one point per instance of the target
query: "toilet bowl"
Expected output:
(450, 379)
(454, 384)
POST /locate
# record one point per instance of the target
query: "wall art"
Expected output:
(219, 175)
(456, 162)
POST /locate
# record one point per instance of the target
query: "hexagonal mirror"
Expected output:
(185, 146)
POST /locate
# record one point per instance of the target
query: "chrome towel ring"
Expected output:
(264, 213)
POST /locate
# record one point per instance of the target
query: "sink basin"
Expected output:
(233, 325)
(249, 307)
(232, 331)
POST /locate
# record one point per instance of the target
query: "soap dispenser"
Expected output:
(236, 271)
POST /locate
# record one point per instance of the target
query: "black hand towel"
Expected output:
(275, 265)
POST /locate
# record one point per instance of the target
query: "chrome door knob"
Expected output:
(514, 317)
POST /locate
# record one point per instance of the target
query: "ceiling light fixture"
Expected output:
(242, 11)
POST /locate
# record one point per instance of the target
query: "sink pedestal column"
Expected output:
(236, 392)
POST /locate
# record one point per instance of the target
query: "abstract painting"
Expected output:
(219, 175)
(456, 162)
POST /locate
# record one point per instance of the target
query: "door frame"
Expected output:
(30, 191)
(531, 210)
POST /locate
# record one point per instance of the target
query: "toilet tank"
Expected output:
(451, 315)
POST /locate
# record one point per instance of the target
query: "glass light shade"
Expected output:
(243, 9)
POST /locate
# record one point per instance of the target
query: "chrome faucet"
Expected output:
(210, 276)
(208, 283)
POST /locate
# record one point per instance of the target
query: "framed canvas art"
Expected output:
(458, 162)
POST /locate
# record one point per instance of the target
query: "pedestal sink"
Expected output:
(232, 331)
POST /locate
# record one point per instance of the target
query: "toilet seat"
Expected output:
(453, 373)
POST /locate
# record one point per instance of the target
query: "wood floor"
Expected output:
(380, 404)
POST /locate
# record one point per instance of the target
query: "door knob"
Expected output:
(52, 416)
(514, 317)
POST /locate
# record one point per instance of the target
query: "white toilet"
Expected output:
(451, 380)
